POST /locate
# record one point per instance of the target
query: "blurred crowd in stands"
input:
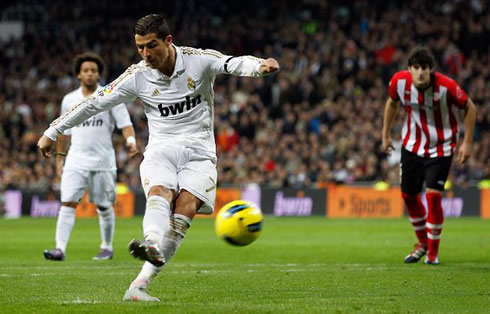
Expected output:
(318, 120)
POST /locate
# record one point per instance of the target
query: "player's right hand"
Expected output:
(45, 145)
(133, 149)
(387, 145)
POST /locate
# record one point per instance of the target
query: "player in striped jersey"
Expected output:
(178, 172)
(433, 103)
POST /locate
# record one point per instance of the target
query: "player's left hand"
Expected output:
(464, 152)
(269, 65)
(133, 149)
(45, 145)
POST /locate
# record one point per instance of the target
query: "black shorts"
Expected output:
(414, 170)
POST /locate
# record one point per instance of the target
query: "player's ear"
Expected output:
(168, 40)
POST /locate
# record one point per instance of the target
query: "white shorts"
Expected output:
(180, 168)
(101, 186)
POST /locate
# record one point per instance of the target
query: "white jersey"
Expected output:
(179, 108)
(91, 140)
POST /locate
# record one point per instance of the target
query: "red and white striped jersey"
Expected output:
(431, 127)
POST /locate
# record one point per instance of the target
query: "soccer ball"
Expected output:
(239, 223)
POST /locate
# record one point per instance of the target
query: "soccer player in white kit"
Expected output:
(178, 172)
(90, 161)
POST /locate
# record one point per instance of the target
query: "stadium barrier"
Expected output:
(363, 202)
(331, 201)
(47, 204)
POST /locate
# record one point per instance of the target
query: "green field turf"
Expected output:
(300, 265)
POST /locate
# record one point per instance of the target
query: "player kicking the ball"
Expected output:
(91, 161)
(432, 102)
(178, 172)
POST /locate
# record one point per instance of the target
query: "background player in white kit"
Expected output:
(178, 172)
(90, 161)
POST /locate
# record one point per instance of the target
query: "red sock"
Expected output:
(434, 223)
(416, 213)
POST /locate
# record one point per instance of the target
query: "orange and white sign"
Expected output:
(355, 202)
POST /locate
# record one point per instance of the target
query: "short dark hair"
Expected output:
(88, 56)
(422, 56)
(153, 23)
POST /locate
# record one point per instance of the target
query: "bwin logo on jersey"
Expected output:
(91, 122)
(179, 107)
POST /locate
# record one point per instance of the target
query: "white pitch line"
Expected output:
(80, 301)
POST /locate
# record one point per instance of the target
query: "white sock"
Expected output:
(147, 273)
(155, 221)
(175, 235)
(107, 222)
(64, 225)
(172, 240)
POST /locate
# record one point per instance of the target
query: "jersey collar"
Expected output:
(179, 65)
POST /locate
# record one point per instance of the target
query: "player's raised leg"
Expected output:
(155, 225)
(198, 193)
(187, 205)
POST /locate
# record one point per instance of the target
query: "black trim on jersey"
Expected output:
(226, 64)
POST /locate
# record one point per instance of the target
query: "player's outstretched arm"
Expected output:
(390, 112)
(119, 91)
(241, 66)
(465, 149)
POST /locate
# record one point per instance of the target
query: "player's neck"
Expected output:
(88, 90)
(169, 66)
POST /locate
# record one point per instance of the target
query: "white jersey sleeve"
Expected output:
(64, 109)
(121, 116)
(240, 66)
(122, 89)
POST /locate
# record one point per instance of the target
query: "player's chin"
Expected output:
(91, 83)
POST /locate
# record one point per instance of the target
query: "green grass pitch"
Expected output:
(298, 265)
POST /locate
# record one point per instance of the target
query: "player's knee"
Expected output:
(69, 204)
(102, 208)
(410, 198)
(162, 191)
(429, 190)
